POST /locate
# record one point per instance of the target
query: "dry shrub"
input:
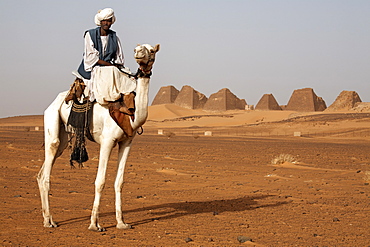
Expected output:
(282, 158)
(170, 134)
(367, 176)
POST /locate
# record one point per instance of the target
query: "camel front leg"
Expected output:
(123, 152)
(105, 151)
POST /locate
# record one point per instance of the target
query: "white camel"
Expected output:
(105, 132)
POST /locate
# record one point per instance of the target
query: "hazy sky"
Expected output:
(252, 47)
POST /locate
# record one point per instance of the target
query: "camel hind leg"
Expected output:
(56, 140)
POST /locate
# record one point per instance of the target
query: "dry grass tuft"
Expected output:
(282, 158)
(367, 176)
(170, 134)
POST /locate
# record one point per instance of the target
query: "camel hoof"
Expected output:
(124, 226)
(96, 228)
(50, 224)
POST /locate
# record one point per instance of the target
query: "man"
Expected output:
(97, 41)
(102, 59)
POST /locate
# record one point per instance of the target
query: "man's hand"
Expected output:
(104, 63)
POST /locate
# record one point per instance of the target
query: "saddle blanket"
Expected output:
(108, 83)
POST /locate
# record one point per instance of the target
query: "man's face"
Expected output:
(106, 24)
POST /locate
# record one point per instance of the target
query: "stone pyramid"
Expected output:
(166, 95)
(305, 100)
(224, 100)
(190, 98)
(346, 100)
(267, 102)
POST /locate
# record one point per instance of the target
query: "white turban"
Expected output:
(104, 14)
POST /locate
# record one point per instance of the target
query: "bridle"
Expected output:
(141, 72)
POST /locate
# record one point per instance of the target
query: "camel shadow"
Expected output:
(168, 211)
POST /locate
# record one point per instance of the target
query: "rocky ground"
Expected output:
(195, 191)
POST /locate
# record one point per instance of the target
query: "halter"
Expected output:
(141, 72)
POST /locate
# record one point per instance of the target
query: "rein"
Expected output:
(128, 74)
(141, 131)
(140, 73)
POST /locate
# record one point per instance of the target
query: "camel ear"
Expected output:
(157, 47)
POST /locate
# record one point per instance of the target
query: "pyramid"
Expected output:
(305, 100)
(362, 107)
(190, 98)
(165, 95)
(267, 102)
(224, 100)
(345, 101)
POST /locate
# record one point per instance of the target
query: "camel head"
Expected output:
(145, 56)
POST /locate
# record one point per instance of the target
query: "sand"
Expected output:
(183, 188)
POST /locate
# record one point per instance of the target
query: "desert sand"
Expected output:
(185, 188)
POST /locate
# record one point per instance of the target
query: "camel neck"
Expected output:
(141, 112)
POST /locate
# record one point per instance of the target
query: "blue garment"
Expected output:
(108, 56)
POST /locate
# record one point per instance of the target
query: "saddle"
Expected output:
(122, 110)
(76, 90)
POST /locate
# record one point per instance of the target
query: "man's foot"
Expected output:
(125, 110)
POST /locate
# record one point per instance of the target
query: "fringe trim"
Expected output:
(79, 121)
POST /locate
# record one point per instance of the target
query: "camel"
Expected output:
(105, 132)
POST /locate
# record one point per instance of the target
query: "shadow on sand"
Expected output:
(174, 210)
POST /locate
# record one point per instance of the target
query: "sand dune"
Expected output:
(173, 116)
(168, 111)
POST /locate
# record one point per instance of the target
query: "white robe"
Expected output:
(107, 82)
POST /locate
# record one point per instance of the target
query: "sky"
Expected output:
(252, 47)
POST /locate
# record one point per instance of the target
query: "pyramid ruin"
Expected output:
(267, 102)
(362, 107)
(224, 100)
(305, 100)
(190, 98)
(346, 100)
(166, 95)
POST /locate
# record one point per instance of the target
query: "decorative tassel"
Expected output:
(79, 120)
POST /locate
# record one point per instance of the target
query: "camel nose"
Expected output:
(139, 54)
